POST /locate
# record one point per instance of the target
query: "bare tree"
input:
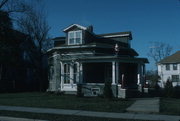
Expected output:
(14, 6)
(34, 24)
(159, 50)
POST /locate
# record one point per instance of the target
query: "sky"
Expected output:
(148, 20)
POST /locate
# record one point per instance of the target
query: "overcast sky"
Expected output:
(148, 20)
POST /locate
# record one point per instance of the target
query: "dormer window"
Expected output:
(75, 37)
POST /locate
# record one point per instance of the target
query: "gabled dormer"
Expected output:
(75, 34)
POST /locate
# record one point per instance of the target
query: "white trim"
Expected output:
(75, 46)
(94, 84)
(78, 54)
(113, 72)
(62, 74)
(54, 56)
(79, 26)
(120, 35)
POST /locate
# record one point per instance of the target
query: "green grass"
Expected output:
(170, 106)
(47, 100)
(52, 117)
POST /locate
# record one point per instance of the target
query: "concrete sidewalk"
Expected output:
(92, 113)
(5, 118)
(146, 105)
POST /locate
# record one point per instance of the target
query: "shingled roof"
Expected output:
(174, 58)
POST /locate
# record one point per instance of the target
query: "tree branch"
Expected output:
(3, 3)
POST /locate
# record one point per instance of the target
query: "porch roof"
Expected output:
(110, 59)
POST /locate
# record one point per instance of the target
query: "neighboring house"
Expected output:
(17, 74)
(83, 57)
(169, 68)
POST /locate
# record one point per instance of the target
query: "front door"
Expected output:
(69, 77)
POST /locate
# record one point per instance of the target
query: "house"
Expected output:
(17, 70)
(169, 68)
(83, 57)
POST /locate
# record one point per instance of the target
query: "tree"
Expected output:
(5, 29)
(11, 6)
(34, 24)
(153, 77)
(159, 50)
(169, 91)
(10, 51)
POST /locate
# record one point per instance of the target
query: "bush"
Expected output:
(168, 90)
(177, 91)
(79, 90)
(107, 90)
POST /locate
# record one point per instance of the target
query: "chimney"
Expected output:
(90, 28)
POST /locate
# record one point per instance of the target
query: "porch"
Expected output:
(92, 76)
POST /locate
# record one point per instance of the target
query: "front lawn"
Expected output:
(170, 106)
(47, 100)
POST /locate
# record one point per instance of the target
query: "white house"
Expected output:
(169, 68)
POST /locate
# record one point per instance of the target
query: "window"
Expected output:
(167, 67)
(66, 73)
(174, 66)
(95, 91)
(75, 37)
(175, 78)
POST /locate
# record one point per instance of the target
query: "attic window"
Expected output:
(75, 37)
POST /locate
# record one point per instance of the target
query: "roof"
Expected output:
(174, 58)
(75, 25)
(110, 58)
(116, 34)
(59, 38)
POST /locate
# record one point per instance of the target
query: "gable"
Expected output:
(74, 27)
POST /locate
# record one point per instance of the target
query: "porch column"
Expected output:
(80, 73)
(139, 74)
(143, 73)
(71, 74)
(56, 65)
(139, 77)
(117, 72)
(113, 72)
(62, 74)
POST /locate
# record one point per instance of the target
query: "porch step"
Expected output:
(70, 92)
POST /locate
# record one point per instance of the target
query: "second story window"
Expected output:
(167, 67)
(75, 37)
(174, 66)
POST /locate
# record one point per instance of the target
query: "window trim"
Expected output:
(74, 32)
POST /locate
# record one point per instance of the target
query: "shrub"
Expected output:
(177, 91)
(79, 90)
(168, 90)
(107, 90)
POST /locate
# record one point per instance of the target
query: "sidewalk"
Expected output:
(4, 118)
(92, 113)
(146, 105)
